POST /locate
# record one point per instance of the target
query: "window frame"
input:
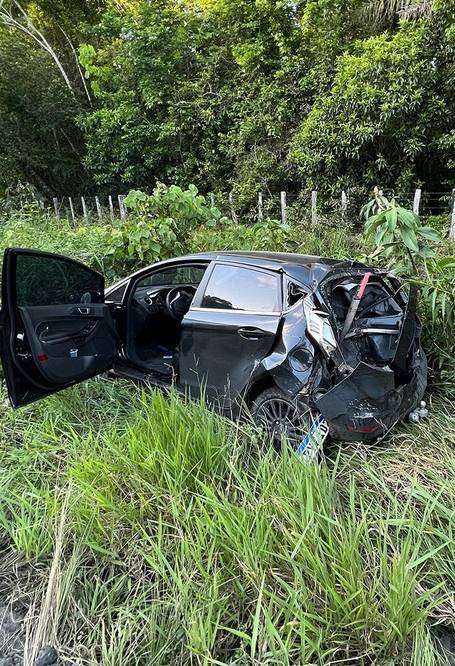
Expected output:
(165, 269)
(287, 282)
(199, 296)
(123, 284)
(134, 279)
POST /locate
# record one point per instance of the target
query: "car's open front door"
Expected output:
(56, 329)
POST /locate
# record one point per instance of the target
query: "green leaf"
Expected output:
(445, 262)
(429, 233)
(373, 223)
(427, 253)
(407, 217)
(391, 217)
(134, 198)
(409, 239)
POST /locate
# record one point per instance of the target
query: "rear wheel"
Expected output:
(281, 417)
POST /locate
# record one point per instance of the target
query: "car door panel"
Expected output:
(56, 329)
(70, 342)
(229, 330)
(221, 350)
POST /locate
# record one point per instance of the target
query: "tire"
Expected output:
(281, 417)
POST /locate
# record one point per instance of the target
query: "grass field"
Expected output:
(157, 533)
(137, 528)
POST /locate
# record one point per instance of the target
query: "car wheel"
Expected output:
(281, 417)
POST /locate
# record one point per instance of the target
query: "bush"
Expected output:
(400, 238)
(159, 226)
(270, 235)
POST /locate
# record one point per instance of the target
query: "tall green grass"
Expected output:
(187, 540)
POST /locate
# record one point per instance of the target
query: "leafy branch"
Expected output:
(24, 24)
(399, 237)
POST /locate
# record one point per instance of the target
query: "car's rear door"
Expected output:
(56, 329)
(230, 328)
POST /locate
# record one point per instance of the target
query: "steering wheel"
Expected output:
(178, 301)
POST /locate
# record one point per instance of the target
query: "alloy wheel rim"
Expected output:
(283, 421)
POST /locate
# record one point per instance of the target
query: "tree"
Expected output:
(242, 95)
(388, 116)
(40, 143)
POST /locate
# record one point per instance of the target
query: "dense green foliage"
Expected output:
(270, 94)
(39, 140)
(161, 225)
(387, 115)
(401, 239)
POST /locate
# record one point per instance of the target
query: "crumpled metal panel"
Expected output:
(291, 361)
(367, 404)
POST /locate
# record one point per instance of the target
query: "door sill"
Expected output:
(136, 374)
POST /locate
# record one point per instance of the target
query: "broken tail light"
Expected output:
(319, 327)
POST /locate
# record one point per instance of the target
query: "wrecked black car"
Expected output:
(287, 337)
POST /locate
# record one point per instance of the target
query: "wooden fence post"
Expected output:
(344, 205)
(283, 208)
(231, 205)
(121, 206)
(212, 200)
(56, 208)
(111, 207)
(260, 207)
(73, 216)
(314, 203)
(84, 208)
(416, 204)
(452, 219)
(98, 208)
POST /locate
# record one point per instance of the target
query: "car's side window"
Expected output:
(46, 280)
(174, 275)
(245, 289)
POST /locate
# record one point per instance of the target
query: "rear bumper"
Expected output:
(367, 403)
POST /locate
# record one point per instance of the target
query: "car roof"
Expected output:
(308, 269)
(272, 259)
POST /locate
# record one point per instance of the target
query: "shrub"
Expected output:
(400, 239)
(270, 235)
(159, 225)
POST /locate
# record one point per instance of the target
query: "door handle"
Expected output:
(251, 333)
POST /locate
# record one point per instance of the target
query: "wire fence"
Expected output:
(305, 205)
(315, 206)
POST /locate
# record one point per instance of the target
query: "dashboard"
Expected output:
(153, 298)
